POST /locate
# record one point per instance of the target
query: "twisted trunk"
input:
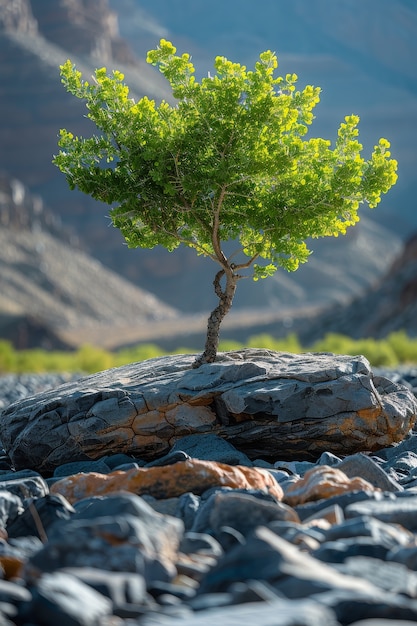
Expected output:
(225, 296)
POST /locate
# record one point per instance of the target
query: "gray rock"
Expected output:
(266, 556)
(117, 533)
(211, 448)
(241, 512)
(115, 461)
(393, 577)
(10, 507)
(20, 548)
(75, 467)
(339, 551)
(362, 465)
(108, 543)
(393, 451)
(13, 593)
(26, 487)
(280, 612)
(60, 598)
(313, 509)
(365, 526)
(401, 511)
(266, 404)
(383, 622)
(200, 542)
(39, 515)
(122, 588)
(407, 555)
(187, 509)
(352, 606)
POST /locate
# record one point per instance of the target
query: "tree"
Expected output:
(227, 162)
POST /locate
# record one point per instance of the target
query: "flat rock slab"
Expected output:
(270, 405)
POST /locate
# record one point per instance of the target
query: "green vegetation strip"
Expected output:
(395, 349)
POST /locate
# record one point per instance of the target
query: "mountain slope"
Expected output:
(390, 306)
(45, 277)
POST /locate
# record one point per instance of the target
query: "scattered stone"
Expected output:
(293, 573)
(362, 465)
(400, 511)
(280, 612)
(393, 577)
(168, 481)
(76, 467)
(124, 538)
(323, 482)
(39, 515)
(239, 511)
(123, 588)
(367, 526)
(339, 551)
(350, 607)
(146, 544)
(60, 598)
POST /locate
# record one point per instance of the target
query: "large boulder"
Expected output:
(270, 405)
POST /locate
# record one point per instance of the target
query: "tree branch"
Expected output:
(215, 232)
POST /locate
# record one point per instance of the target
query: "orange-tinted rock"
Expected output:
(168, 481)
(11, 566)
(323, 482)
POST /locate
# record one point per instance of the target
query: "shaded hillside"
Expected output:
(389, 307)
(48, 284)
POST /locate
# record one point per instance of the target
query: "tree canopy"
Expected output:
(228, 160)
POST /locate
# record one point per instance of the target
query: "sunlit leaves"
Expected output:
(229, 160)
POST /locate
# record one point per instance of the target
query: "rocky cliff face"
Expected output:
(17, 16)
(49, 285)
(83, 27)
(388, 307)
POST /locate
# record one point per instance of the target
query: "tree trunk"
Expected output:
(225, 296)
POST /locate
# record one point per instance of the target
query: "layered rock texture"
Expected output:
(268, 405)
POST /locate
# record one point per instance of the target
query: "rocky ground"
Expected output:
(215, 535)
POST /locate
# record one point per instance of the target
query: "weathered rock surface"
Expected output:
(269, 405)
(323, 482)
(168, 481)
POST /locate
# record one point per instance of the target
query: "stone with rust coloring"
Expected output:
(323, 482)
(269, 405)
(168, 481)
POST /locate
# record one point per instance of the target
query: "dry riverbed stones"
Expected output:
(207, 527)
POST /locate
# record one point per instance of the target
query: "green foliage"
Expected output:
(396, 349)
(378, 352)
(404, 348)
(228, 161)
(286, 344)
(7, 356)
